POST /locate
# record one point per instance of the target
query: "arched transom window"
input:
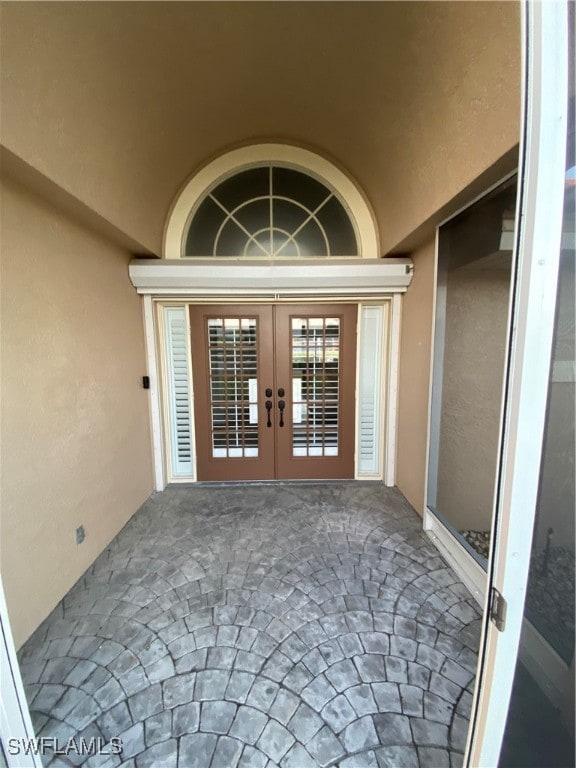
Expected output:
(270, 201)
(271, 212)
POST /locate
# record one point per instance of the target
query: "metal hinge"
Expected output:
(498, 609)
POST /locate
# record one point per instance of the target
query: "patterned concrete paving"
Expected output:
(284, 625)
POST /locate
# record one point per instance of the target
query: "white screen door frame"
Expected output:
(537, 251)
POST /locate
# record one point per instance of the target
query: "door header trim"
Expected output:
(358, 277)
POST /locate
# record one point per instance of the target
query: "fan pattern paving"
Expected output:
(266, 625)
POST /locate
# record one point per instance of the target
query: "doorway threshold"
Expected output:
(252, 483)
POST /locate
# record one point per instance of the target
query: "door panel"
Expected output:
(232, 356)
(316, 366)
(274, 391)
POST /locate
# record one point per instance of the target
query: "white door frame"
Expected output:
(538, 240)
(157, 393)
(16, 731)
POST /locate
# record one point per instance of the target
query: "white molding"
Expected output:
(357, 390)
(392, 390)
(191, 400)
(15, 722)
(471, 573)
(546, 667)
(154, 395)
(287, 155)
(162, 464)
(206, 278)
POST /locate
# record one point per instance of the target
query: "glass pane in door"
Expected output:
(315, 356)
(233, 372)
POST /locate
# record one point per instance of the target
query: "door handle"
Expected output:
(268, 392)
(268, 405)
(281, 406)
(281, 392)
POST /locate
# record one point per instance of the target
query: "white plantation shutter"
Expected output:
(370, 391)
(178, 380)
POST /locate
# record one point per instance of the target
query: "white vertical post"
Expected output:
(392, 404)
(154, 394)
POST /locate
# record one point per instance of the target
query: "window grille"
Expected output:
(271, 212)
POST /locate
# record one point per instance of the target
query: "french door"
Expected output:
(274, 391)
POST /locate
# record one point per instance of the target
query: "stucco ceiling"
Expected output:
(119, 102)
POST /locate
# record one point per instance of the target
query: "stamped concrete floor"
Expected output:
(287, 625)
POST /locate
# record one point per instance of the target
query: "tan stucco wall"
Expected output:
(462, 113)
(414, 378)
(475, 344)
(74, 418)
(119, 103)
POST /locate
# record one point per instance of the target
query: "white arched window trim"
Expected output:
(283, 154)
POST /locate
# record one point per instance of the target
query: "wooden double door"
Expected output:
(274, 391)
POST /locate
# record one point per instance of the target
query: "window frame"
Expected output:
(282, 155)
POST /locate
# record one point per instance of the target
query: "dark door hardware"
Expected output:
(268, 405)
(281, 406)
(268, 392)
(281, 392)
(498, 606)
